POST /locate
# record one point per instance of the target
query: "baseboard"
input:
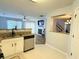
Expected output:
(57, 49)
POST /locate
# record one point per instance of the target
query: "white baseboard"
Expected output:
(57, 49)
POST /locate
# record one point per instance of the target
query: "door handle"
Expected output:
(71, 54)
(72, 35)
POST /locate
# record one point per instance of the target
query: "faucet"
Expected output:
(13, 32)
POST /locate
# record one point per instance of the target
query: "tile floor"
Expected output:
(40, 39)
(42, 52)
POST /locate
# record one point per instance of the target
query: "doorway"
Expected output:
(40, 36)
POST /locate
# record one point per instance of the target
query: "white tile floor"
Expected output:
(42, 52)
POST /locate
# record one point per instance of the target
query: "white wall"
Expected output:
(76, 4)
(58, 40)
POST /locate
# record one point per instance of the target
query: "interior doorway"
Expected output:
(61, 23)
(41, 31)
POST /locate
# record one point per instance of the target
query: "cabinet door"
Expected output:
(7, 47)
(19, 44)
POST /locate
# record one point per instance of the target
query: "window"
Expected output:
(11, 24)
(19, 24)
(3, 24)
(30, 25)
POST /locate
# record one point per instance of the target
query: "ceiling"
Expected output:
(29, 8)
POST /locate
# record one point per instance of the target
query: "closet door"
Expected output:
(75, 37)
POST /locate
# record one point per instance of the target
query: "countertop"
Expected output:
(4, 38)
(8, 34)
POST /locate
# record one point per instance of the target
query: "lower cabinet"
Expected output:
(7, 47)
(19, 45)
(12, 46)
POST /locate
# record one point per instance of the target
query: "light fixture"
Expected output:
(39, 1)
(68, 22)
(35, 1)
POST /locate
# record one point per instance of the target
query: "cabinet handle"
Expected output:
(15, 44)
(73, 35)
(12, 45)
(0, 46)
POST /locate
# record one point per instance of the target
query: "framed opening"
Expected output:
(61, 23)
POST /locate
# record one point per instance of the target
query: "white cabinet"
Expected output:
(19, 45)
(7, 47)
(12, 46)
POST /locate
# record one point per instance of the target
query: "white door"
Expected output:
(7, 47)
(75, 40)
